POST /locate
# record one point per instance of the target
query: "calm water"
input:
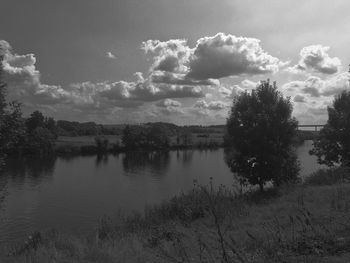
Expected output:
(71, 194)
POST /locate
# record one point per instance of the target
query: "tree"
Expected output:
(158, 137)
(35, 120)
(332, 146)
(40, 140)
(260, 136)
(11, 124)
(41, 133)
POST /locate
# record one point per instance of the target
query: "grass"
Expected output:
(308, 222)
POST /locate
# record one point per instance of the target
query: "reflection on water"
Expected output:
(155, 161)
(28, 170)
(101, 160)
(72, 193)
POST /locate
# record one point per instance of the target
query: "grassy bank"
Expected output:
(308, 222)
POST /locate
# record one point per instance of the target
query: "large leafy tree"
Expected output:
(332, 146)
(260, 136)
(12, 130)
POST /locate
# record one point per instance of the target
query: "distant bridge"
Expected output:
(316, 126)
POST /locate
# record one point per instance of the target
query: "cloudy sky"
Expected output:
(117, 61)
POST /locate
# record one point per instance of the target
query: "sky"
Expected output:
(183, 61)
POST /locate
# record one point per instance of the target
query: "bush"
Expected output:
(328, 176)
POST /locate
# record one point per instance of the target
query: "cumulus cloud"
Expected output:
(314, 94)
(212, 105)
(24, 82)
(170, 56)
(179, 79)
(249, 85)
(128, 94)
(23, 79)
(213, 57)
(316, 87)
(110, 55)
(317, 59)
(230, 91)
(225, 55)
(169, 103)
(170, 107)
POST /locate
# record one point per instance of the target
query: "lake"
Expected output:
(71, 194)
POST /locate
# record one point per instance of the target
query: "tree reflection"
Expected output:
(101, 159)
(25, 170)
(184, 156)
(155, 161)
(36, 169)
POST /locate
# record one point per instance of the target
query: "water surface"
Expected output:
(71, 194)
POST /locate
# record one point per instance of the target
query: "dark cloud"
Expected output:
(299, 98)
(312, 91)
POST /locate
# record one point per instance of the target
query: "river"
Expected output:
(71, 194)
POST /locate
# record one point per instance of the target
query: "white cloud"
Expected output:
(312, 96)
(212, 105)
(227, 55)
(24, 84)
(169, 103)
(170, 56)
(179, 79)
(316, 59)
(249, 85)
(110, 55)
(230, 91)
(317, 87)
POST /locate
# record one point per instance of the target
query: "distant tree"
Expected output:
(145, 137)
(134, 137)
(51, 125)
(260, 135)
(35, 120)
(41, 133)
(158, 137)
(186, 137)
(40, 140)
(12, 129)
(101, 143)
(332, 146)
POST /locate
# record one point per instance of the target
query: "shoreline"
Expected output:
(292, 223)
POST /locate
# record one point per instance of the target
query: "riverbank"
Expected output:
(308, 222)
(76, 145)
(84, 145)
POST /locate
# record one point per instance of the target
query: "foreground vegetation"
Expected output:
(305, 222)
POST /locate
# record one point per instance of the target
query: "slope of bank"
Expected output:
(302, 223)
